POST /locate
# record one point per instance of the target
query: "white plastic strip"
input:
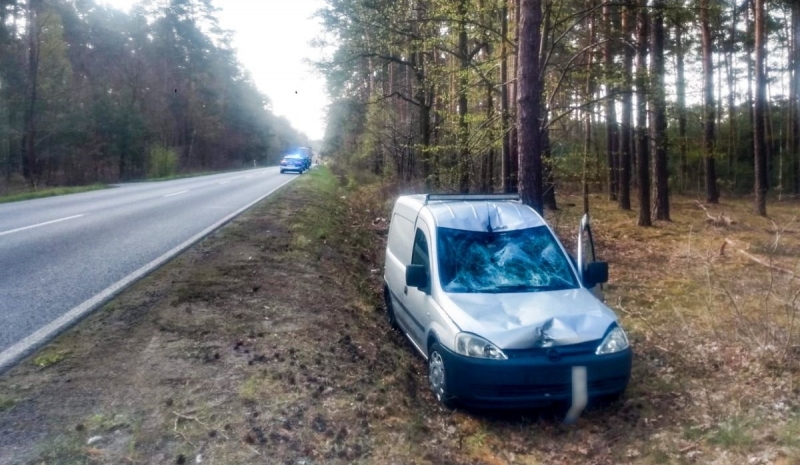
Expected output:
(580, 395)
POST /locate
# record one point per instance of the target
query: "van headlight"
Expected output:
(615, 341)
(478, 347)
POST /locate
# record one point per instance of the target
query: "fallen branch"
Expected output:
(752, 257)
(186, 417)
(686, 449)
(719, 220)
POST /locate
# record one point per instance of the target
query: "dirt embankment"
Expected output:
(266, 344)
(249, 348)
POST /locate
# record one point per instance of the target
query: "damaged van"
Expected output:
(502, 313)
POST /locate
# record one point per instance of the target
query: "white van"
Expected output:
(488, 295)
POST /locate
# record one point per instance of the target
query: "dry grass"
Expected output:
(267, 344)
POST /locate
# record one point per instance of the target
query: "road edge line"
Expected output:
(19, 351)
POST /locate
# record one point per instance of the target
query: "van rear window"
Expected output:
(401, 234)
(525, 260)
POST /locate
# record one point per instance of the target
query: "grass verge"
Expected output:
(49, 192)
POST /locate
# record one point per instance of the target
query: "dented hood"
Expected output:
(526, 320)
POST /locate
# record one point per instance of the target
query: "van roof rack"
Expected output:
(469, 197)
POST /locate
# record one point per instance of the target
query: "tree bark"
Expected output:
(514, 187)
(464, 155)
(627, 110)
(612, 136)
(759, 115)
(709, 131)
(660, 168)
(529, 105)
(680, 88)
(642, 142)
(587, 112)
(487, 175)
(30, 163)
(504, 84)
(732, 87)
(749, 25)
(549, 188)
(795, 100)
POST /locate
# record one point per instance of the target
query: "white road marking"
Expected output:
(176, 193)
(47, 333)
(248, 177)
(12, 231)
(224, 182)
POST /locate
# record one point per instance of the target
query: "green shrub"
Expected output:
(162, 162)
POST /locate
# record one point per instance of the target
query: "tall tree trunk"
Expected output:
(795, 100)
(642, 141)
(769, 143)
(421, 97)
(464, 156)
(529, 105)
(732, 87)
(610, 110)
(515, 166)
(627, 110)
(504, 85)
(549, 189)
(587, 112)
(30, 163)
(487, 175)
(759, 116)
(680, 88)
(749, 25)
(657, 92)
(709, 132)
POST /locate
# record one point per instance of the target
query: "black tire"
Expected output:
(282, 171)
(390, 317)
(437, 378)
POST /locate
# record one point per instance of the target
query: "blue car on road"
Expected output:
(293, 162)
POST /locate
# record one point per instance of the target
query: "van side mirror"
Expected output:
(416, 276)
(596, 273)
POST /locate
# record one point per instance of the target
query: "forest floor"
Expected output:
(266, 343)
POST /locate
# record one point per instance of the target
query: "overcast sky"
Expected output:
(272, 39)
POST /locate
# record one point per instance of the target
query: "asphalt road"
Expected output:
(68, 253)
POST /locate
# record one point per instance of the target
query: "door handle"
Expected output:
(405, 290)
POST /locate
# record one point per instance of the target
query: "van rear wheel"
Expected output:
(437, 377)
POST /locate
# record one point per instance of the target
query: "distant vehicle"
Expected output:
(293, 162)
(488, 295)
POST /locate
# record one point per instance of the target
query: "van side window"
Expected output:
(420, 254)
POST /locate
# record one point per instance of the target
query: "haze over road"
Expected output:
(57, 253)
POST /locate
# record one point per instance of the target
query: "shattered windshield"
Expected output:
(525, 260)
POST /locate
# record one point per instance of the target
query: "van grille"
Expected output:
(584, 348)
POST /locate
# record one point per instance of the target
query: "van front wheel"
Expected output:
(437, 378)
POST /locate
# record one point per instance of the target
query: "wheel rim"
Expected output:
(436, 375)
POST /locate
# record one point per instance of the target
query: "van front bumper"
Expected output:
(531, 378)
